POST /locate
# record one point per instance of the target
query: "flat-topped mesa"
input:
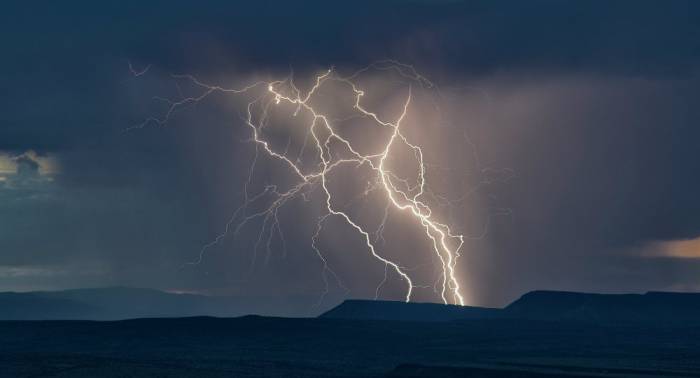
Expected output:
(661, 308)
(389, 310)
(650, 309)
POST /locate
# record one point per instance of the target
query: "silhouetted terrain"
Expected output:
(650, 308)
(257, 346)
(424, 312)
(128, 303)
(613, 309)
(543, 334)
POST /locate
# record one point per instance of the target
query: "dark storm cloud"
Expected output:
(592, 104)
(66, 61)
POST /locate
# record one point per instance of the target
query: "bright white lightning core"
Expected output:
(333, 151)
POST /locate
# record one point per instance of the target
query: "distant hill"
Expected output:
(386, 310)
(653, 308)
(658, 308)
(128, 303)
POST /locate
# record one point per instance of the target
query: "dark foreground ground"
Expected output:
(277, 347)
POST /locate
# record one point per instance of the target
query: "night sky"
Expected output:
(582, 119)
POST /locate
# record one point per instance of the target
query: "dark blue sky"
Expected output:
(592, 105)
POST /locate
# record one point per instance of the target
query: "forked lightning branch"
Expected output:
(405, 194)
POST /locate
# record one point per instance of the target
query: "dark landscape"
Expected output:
(543, 334)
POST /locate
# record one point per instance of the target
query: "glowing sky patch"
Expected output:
(7, 165)
(46, 164)
(683, 249)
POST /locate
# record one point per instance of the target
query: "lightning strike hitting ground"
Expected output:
(401, 194)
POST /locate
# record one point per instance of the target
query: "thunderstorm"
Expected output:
(330, 151)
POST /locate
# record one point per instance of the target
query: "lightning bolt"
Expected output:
(137, 73)
(401, 194)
